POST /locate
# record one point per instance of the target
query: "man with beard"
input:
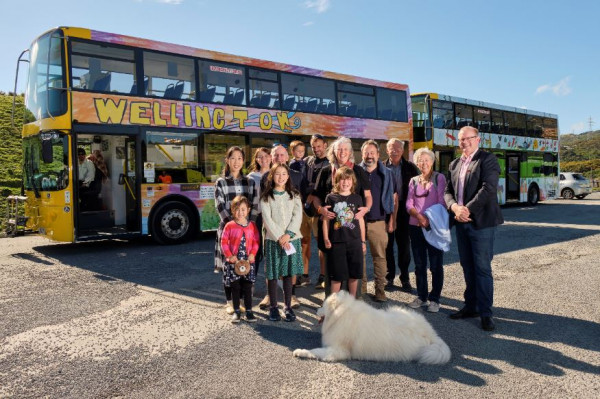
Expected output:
(380, 220)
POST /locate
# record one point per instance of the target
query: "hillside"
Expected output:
(581, 152)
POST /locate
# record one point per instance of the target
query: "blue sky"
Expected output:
(540, 55)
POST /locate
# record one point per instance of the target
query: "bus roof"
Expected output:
(124, 40)
(461, 100)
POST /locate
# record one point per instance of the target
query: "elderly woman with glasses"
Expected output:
(425, 191)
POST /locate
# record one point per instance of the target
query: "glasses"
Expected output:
(464, 139)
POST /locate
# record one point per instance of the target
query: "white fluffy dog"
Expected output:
(354, 330)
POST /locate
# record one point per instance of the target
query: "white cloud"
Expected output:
(559, 89)
(320, 5)
(174, 2)
(577, 128)
(309, 23)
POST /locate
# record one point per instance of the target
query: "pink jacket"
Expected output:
(232, 236)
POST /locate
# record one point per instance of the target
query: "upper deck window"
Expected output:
(483, 119)
(306, 94)
(443, 117)
(355, 100)
(391, 105)
(535, 126)
(550, 128)
(169, 76)
(498, 126)
(263, 88)
(463, 115)
(103, 68)
(222, 83)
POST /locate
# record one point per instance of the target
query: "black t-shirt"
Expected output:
(313, 167)
(344, 227)
(324, 183)
(376, 213)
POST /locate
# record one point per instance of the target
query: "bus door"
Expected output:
(130, 183)
(512, 176)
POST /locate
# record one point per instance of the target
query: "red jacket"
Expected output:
(232, 236)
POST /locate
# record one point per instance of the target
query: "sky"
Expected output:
(539, 55)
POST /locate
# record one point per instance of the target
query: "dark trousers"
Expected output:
(241, 288)
(421, 250)
(402, 239)
(476, 250)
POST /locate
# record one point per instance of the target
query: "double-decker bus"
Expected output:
(524, 141)
(150, 107)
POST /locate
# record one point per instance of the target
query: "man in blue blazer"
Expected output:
(471, 196)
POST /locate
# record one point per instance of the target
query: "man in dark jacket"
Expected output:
(472, 197)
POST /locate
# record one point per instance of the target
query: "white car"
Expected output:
(574, 185)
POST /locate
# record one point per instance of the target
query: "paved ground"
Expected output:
(132, 319)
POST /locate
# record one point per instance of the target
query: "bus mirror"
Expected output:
(47, 151)
(121, 179)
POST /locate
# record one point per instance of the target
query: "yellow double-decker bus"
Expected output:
(524, 141)
(150, 108)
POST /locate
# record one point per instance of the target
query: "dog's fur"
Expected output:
(354, 330)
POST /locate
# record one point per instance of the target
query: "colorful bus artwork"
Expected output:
(524, 141)
(148, 108)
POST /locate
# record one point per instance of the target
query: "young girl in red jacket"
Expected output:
(240, 241)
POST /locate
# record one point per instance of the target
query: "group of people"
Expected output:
(271, 213)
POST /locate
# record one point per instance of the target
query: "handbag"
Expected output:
(241, 267)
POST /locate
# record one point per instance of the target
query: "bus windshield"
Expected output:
(45, 166)
(45, 95)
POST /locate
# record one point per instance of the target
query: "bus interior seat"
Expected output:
(134, 87)
(288, 103)
(276, 104)
(208, 95)
(265, 100)
(312, 105)
(331, 107)
(103, 83)
(322, 108)
(438, 123)
(301, 106)
(169, 91)
(238, 98)
(351, 110)
(255, 100)
(178, 89)
(228, 99)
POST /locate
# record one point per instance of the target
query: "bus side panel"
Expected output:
(52, 214)
(201, 194)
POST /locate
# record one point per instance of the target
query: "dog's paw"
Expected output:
(303, 353)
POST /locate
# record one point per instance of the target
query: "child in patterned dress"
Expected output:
(282, 216)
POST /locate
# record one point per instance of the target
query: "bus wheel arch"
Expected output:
(533, 194)
(173, 220)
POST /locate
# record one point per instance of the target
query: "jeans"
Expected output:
(421, 249)
(476, 250)
(402, 239)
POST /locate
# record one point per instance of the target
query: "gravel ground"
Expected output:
(132, 319)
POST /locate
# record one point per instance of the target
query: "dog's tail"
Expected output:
(436, 353)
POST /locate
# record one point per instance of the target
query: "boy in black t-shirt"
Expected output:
(344, 236)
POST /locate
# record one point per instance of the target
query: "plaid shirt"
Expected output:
(227, 188)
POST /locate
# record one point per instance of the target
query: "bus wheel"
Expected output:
(567, 193)
(533, 195)
(172, 223)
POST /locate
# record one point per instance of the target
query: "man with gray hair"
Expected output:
(380, 220)
(402, 171)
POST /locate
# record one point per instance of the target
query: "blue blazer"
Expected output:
(480, 189)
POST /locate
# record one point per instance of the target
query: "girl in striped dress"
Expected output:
(231, 184)
(282, 216)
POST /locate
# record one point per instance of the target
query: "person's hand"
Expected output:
(362, 211)
(423, 221)
(233, 259)
(364, 247)
(462, 214)
(284, 239)
(251, 258)
(391, 225)
(326, 213)
(327, 244)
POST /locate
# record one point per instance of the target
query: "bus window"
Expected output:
(483, 120)
(394, 101)
(515, 123)
(102, 68)
(175, 152)
(497, 123)
(550, 129)
(355, 100)
(443, 117)
(169, 76)
(303, 93)
(222, 83)
(464, 115)
(263, 89)
(534, 126)
(215, 148)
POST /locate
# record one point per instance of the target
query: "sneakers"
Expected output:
(295, 303)
(289, 315)
(274, 314)
(417, 303)
(229, 307)
(264, 303)
(250, 318)
(303, 281)
(237, 316)
(320, 282)
(379, 295)
(433, 307)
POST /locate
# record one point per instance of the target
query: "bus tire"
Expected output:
(172, 223)
(567, 193)
(533, 195)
